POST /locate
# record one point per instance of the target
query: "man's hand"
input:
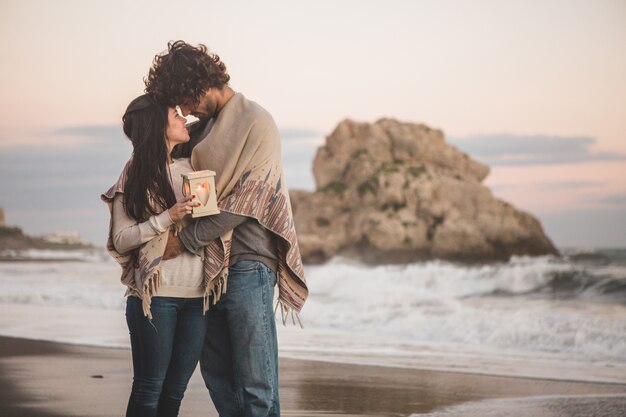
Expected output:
(174, 247)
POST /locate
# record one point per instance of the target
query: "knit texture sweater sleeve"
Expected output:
(128, 234)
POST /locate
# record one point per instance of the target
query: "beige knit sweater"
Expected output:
(182, 276)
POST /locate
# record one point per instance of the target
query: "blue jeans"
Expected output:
(165, 352)
(239, 361)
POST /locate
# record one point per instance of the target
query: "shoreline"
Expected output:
(49, 379)
(96, 327)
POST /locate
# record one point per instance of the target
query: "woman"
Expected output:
(164, 308)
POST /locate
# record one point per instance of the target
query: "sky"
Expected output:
(534, 89)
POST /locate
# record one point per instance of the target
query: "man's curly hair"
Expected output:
(184, 73)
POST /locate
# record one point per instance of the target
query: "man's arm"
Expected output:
(200, 233)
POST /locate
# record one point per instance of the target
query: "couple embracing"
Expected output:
(202, 290)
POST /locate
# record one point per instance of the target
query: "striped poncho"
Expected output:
(242, 146)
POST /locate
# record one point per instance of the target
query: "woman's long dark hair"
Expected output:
(147, 190)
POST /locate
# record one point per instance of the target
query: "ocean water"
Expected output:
(569, 309)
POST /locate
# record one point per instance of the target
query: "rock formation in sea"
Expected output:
(393, 192)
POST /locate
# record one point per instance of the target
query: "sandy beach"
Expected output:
(46, 379)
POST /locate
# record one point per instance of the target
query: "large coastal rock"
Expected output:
(393, 192)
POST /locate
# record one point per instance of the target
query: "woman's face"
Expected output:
(176, 131)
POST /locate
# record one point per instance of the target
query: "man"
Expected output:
(251, 245)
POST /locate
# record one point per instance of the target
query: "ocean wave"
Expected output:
(542, 304)
(52, 255)
(86, 283)
(446, 303)
(612, 256)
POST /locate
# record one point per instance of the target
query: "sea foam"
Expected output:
(542, 304)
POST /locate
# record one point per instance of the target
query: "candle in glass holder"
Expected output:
(202, 192)
(202, 185)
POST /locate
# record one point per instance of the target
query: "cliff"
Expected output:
(14, 239)
(391, 192)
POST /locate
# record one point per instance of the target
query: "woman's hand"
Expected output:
(181, 208)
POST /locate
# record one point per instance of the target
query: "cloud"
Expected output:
(94, 131)
(108, 131)
(596, 227)
(615, 200)
(105, 134)
(569, 185)
(61, 138)
(549, 185)
(509, 149)
(297, 133)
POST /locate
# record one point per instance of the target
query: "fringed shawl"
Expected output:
(243, 147)
(141, 268)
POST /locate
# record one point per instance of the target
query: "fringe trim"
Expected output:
(215, 288)
(150, 286)
(285, 311)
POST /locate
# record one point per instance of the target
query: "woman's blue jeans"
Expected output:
(239, 362)
(165, 353)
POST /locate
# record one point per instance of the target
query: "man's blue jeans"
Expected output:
(239, 360)
(165, 352)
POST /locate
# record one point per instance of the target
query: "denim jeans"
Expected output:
(239, 361)
(165, 353)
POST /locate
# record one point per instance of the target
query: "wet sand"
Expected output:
(46, 379)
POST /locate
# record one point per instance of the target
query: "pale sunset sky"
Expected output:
(534, 89)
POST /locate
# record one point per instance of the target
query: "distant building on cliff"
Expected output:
(2, 217)
(65, 237)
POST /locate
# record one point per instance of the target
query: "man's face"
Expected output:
(206, 108)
